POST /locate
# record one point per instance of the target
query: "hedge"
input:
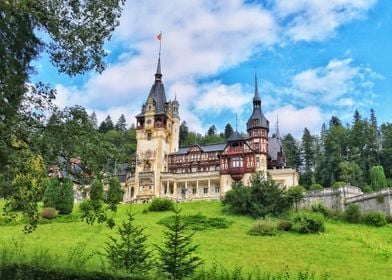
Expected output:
(17, 271)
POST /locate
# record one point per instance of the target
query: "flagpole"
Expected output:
(160, 43)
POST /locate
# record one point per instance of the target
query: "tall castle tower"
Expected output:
(258, 128)
(157, 135)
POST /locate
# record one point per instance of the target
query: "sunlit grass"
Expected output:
(345, 251)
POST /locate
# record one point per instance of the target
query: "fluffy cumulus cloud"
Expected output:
(310, 20)
(295, 120)
(336, 84)
(203, 38)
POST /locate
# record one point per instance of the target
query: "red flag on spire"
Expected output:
(159, 36)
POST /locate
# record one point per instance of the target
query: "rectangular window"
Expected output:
(149, 135)
(217, 189)
(194, 191)
(205, 190)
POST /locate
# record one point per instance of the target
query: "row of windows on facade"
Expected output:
(258, 132)
(193, 157)
(204, 190)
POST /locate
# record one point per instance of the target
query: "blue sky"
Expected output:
(314, 59)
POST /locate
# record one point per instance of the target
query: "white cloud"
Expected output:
(327, 83)
(315, 20)
(203, 38)
(294, 120)
(216, 97)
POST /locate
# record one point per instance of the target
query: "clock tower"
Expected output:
(157, 135)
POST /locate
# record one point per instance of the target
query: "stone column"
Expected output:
(209, 186)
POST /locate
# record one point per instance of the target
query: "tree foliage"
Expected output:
(73, 34)
(261, 198)
(59, 195)
(177, 252)
(128, 249)
(378, 180)
(228, 130)
(115, 193)
(295, 195)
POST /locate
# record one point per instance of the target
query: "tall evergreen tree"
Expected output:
(128, 250)
(378, 180)
(93, 120)
(212, 130)
(115, 193)
(177, 253)
(308, 150)
(386, 150)
(183, 132)
(292, 151)
(121, 124)
(106, 125)
(228, 130)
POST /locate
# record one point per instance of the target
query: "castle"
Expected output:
(163, 169)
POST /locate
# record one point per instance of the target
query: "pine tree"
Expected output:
(378, 180)
(65, 200)
(228, 130)
(93, 120)
(51, 192)
(106, 125)
(308, 150)
(212, 130)
(386, 151)
(183, 132)
(114, 194)
(177, 253)
(128, 250)
(121, 124)
(96, 191)
(292, 151)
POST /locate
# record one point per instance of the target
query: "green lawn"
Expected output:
(345, 251)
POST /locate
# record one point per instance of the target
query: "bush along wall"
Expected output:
(17, 271)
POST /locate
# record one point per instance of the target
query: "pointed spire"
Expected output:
(256, 98)
(158, 74)
(277, 127)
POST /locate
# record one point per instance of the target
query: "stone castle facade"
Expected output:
(163, 169)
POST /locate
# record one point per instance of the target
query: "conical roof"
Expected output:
(257, 119)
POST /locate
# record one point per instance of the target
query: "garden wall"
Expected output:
(338, 199)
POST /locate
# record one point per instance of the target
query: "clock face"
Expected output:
(149, 121)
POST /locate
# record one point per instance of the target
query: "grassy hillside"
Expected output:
(345, 251)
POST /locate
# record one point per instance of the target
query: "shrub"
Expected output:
(295, 195)
(85, 206)
(161, 204)
(59, 195)
(198, 222)
(316, 187)
(375, 219)
(65, 200)
(377, 178)
(367, 189)
(337, 185)
(49, 213)
(263, 227)
(322, 209)
(353, 214)
(263, 197)
(380, 198)
(308, 222)
(285, 225)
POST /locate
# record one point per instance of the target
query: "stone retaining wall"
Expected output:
(339, 198)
